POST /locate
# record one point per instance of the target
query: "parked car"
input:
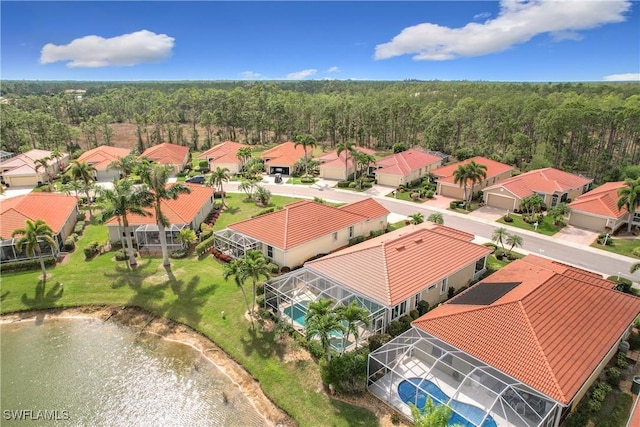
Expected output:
(197, 179)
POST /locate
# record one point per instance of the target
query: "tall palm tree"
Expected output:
(156, 178)
(499, 235)
(43, 164)
(125, 165)
(319, 307)
(32, 235)
(514, 241)
(235, 269)
(254, 265)
(436, 217)
(349, 148)
(126, 198)
(629, 197)
(244, 154)
(73, 187)
(416, 218)
(322, 326)
(84, 172)
(217, 178)
(460, 177)
(352, 314)
(476, 173)
(306, 141)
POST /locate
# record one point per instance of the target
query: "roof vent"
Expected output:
(418, 240)
(400, 248)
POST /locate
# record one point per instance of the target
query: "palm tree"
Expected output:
(72, 187)
(558, 213)
(349, 148)
(126, 198)
(436, 217)
(156, 178)
(217, 178)
(476, 172)
(306, 141)
(352, 314)
(635, 267)
(532, 204)
(32, 235)
(499, 236)
(320, 307)
(243, 154)
(514, 241)
(629, 197)
(236, 270)
(187, 236)
(460, 177)
(125, 165)
(323, 326)
(84, 172)
(44, 164)
(416, 218)
(255, 265)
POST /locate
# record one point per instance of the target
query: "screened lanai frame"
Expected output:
(424, 365)
(9, 252)
(304, 285)
(234, 244)
(148, 236)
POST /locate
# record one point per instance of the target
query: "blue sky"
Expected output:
(511, 40)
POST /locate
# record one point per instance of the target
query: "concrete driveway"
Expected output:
(15, 191)
(573, 234)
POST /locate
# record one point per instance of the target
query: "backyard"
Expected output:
(192, 291)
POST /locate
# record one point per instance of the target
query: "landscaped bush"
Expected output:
(81, 216)
(613, 376)
(79, 227)
(206, 234)
(507, 218)
(594, 405)
(451, 292)
(378, 340)
(414, 196)
(414, 314)
(623, 285)
(347, 373)
(605, 239)
(343, 184)
(423, 307)
(219, 255)
(121, 255)
(307, 179)
(352, 185)
(491, 245)
(69, 244)
(92, 249)
(355, 240)
(455, 204)
(179, 254)
(376, 233)
(264, 211)
(366, 184)
(273, 268)
(396, 328)
(429, 194)
(634, 341)
(30, 264)
(204, 246)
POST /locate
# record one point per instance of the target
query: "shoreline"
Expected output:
(142, 320)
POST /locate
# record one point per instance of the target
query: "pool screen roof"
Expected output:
(484, 293)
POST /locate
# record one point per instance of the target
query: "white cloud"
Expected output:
(483, 15)
(250, 75)
(518, 22)
(333, 70)
(124, 50)
(626, 77)
(299, 75)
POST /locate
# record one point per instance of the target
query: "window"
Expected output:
(416, 300)
(351, 232)
(335, 236)
(443, 287)
(399, 310)
(430, 288)
(269, 251)
(636, 217)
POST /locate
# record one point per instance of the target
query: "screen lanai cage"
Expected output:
(10, 252)
(417, 366)
(288, 296)
(148, 237)
(235, 244)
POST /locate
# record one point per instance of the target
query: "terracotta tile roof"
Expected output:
(331, 159)
(284, 154)
(102, 156)
(602, 201)
(445, 173)
(166, 154)
(399, 264)
(33, 206)
(301, 222)
(367, 208)
(549, 332)
(406, 162)
(546, 181)
(227, 152)
(180, 211)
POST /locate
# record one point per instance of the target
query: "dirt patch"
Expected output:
(142, 320)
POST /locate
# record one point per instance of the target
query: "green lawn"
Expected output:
(545, 227)
(296, 181)
(620, 246)
(193, 292)
(405, 196)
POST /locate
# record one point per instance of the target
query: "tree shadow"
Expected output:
(231, 210)
(132, 277)
(263, 343)
(354, 415)
(42, 297)
(4, 295)
(190, 297)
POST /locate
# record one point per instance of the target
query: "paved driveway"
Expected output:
(15, 191)
(488, 213)
(573, 234)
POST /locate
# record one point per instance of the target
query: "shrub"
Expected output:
(395, 419)
(92, 249)
(121, 255)
(414, 196)
(355, 240)
(203, 246)
(599, 394)
(307, 179)
(343, 184)
(429, 194)
(406, 321)
(219, 255)
(81, 216)
(414, 314)
(366, 184)
(594, 405)
(491, 245)
(179, 254)
(605, 239)
(206, 234)
(423, 307)
(315, 348)
(451, 292)
(396, 328)
(378, 340)
(264, 211)
(454, 204)
(352, 185)
(273, 268)
(29, 264)
(69, 244)
(613, 376)
(634, 341)
(79, 227)
(507, 218)
(347, 373)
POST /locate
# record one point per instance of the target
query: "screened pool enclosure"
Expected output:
(417, 366)
(288, 295)
(234, 244)
(148, 237)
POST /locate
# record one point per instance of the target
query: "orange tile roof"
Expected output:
(550, 332)
(16, 210)
(180, 211)
(368, 208)
(331, 159)
(546, 181)
(227, 152)
(406, 162)
(399, 264)
(24, 163)
(445, 173)
(602, 201)
(284, 154)
(166, 154)
(301, 222)
(102, 156)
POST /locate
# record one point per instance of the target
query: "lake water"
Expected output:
(87, 372)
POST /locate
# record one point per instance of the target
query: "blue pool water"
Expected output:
(297, 311)
(416, 390)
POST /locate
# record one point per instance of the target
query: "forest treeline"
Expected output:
(588, 128)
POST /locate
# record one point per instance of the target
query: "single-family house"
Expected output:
(518, 349)
(33, 206)
(446, 186)
(224, 155)
(301, 230)
(187, 211)
(553, 185)
(176, 156)
(598, 209)
(388, 275)
(282, 158)
(101, 158)
(23, 170)
(332, 165)
(404, 167)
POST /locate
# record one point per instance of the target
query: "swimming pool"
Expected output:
(297, 311)
(416, 390)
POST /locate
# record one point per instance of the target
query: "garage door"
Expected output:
(502, 202)
(453, 192)
(280, 169)
(586, 221)
(21, 181)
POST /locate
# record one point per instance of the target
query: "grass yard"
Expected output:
(620, 246)
(545, 227)
(406, 195)
(192, 292)
(296, 181)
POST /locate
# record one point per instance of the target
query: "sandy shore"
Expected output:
(140, 319)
